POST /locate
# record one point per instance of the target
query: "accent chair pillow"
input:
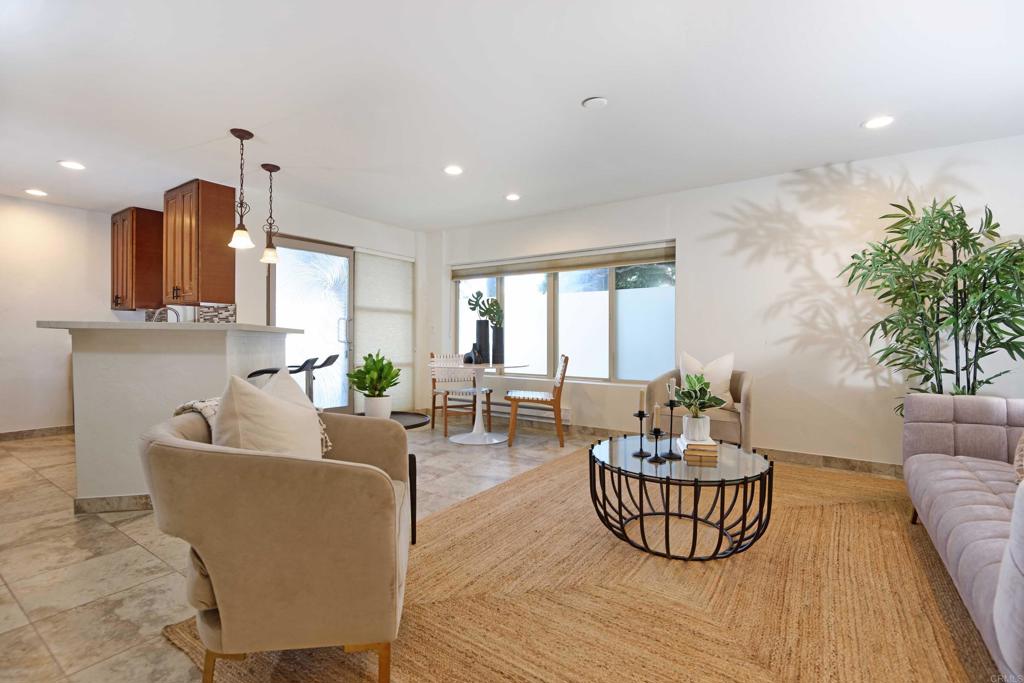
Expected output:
(1018, 459)
(263, 420)
(717, 372)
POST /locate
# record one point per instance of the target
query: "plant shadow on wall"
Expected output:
(823, 216)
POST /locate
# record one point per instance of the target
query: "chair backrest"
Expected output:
(563, 365)
(448, 368)
(977, 426)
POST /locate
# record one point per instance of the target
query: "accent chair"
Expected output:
(288, 553)
(731, 425)
(450, 378)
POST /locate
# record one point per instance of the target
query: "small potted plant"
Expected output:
(696, 397)
(372, 379)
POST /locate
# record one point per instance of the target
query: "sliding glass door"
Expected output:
(310, 288)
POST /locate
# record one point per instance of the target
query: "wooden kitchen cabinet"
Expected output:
(198, 264)
(136, 254)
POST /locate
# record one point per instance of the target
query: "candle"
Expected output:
(656, 418)
(643, 404)
(672, 389)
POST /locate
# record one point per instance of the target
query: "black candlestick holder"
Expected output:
(641, 453)
(672, 455)
(656, 459)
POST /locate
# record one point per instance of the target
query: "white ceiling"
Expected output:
(364, 102)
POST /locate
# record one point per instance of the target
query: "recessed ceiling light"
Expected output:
(453, 170)
(594, 103)
(512, 197)
(878, 122)
(73, 165)
(35, 193)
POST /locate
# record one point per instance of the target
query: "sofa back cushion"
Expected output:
(977, 426)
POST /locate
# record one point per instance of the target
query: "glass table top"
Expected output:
(733, 463)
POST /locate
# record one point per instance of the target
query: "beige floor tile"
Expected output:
(154, 661)
(61, 589)
(61, 475)
(53, 514)
(92, 633)
(33, 498)
(45, 455)
(116, 518)
(11, 616)
(25, 659)
(143, 530)
(85, 537)
(15, 474)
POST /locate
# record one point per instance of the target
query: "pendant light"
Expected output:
(240, 238)
(270, 251)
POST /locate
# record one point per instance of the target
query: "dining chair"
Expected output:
(448, 379)
(551, 398)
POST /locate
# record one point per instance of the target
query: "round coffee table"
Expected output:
(676, 510)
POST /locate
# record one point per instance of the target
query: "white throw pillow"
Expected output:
(281, 385)
(258, 420)
(718, 372)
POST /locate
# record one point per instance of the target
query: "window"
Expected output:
(615, 323)
(583, 321)
(645, 321)
(467, 318)
(526, 321)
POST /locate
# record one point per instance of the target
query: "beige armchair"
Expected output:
(286, 552)
(731, 425)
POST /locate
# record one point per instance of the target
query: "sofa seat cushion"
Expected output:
(725, 422)
(966, 505)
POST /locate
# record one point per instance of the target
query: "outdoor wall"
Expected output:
(757, 275)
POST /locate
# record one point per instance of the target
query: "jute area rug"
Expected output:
(523, 583)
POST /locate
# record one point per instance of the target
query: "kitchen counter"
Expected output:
(191, 326)
(130, 376)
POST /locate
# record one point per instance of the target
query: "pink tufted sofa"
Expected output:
(957, 462)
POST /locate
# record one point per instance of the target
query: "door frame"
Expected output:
(324, 247)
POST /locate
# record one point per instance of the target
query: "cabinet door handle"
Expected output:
(175, 292)
(117, 299)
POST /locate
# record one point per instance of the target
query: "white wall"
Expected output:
(757, 264)
(54, 265)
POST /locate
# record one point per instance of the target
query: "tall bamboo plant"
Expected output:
(956, 293)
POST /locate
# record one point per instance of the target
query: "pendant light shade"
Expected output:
(240, 238)
(270, 227)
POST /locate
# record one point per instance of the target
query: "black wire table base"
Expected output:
(681, 519)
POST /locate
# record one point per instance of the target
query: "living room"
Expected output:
(629, 341)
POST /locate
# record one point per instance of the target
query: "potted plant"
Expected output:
(955, 295)
(372, 379)
(490, 313)
(696, 397)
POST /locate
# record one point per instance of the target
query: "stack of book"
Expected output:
(701, 454)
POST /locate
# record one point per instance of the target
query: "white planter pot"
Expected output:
(379, 406)
(696, 428)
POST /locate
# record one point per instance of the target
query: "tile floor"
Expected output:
(83, 598)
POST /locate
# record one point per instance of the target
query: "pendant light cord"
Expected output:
(270, 226)
(241, 208)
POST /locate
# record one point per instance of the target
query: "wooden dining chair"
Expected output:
(448, 379)
(551, 398)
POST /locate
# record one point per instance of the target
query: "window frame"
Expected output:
(552, 331)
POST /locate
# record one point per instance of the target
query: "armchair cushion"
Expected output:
(717, 372)
(255, 419)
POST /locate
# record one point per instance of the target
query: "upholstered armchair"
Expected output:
(288, 552)
(731, 425)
